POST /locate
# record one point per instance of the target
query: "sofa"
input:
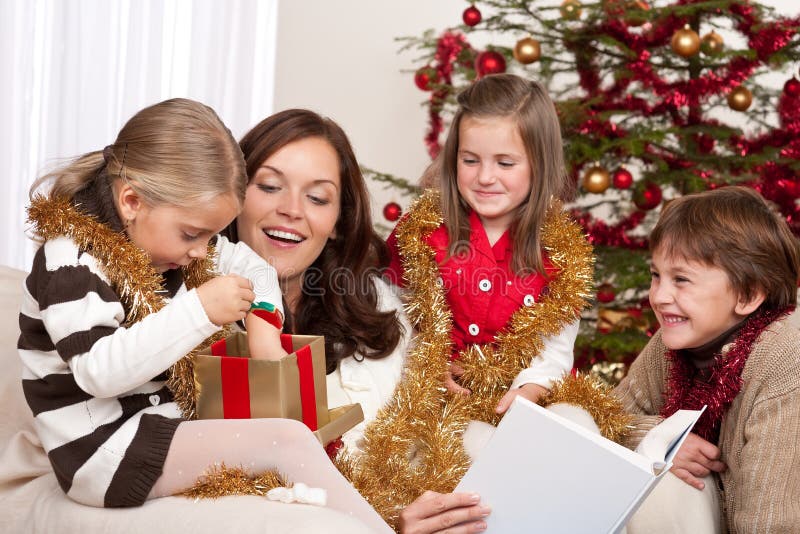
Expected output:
(32, 501)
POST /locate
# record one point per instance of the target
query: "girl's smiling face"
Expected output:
(493, 171)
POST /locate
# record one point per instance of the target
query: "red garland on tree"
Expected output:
(471, 16)
(490, 62)
(451, 47)
(392, 211)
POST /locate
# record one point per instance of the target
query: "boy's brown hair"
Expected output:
(734, 229)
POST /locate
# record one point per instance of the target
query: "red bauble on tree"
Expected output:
(605, 293)
(792, 87)
(471, 16)
(648, 196)
(425, 77)
(392, 211)
(622, 178)
(490, 62)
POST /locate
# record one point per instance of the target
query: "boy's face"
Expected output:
(693, 302)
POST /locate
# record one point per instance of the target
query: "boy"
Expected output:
(725, 269)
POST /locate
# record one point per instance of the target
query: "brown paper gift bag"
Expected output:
(230, 385)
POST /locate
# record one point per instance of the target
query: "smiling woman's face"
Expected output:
(291, 208)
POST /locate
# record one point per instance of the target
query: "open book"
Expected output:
(541, 472)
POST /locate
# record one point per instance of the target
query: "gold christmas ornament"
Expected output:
(596, 179)
(571, 9)
(740, 99)
(527, 50)
(712, 44)
(685, 42)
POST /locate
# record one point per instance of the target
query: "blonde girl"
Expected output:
(121, 289)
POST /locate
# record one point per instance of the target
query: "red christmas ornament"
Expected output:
(605, 293)
(648, 197)
(622, 178)
(425, 77)
(490, 62)
(792, 87)
(392, 211)
(471, 16)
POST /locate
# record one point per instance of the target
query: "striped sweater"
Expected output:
(758, 438)
(96, 388)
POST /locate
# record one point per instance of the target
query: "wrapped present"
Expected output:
(230, 385)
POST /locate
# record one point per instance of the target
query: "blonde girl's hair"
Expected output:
(527, 102)
(176, 152)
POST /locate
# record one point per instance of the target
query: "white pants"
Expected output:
(674, 507)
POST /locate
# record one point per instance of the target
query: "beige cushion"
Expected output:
(32, 501)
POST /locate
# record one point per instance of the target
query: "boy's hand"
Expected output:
(695, 459)
(226, 299)
(263, 339)
(455, 371)
(532, 392)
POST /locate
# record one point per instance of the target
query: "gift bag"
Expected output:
(230, 385)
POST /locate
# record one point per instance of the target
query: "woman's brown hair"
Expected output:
(340, 302)
(507, 95)
(734, 229)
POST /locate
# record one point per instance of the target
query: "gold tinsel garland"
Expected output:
(415, 442)
(220, 481)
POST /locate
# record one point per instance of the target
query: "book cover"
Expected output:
(541, 472)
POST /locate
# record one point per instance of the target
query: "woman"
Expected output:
(306, 211)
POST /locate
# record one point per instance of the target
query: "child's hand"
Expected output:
(226, 298)
(695, 459)
(532, 392)
(455, 370)
(263, 339)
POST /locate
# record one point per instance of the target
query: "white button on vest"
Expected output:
(473, 329)
(458, 271)
(484, 285)
(155, 400)
(528, 300)
(439, 281)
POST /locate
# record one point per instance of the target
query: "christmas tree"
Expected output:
(656, 100)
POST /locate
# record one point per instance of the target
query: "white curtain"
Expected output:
(75, 70)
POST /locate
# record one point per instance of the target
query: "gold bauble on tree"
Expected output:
(712, 44)
(685, 42)
(740, 99)
(571, 9)
(527, 50)
(596, 179)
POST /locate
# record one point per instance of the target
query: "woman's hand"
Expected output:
(532, 392)
(226, 299)
(450, 513)
(695, 459)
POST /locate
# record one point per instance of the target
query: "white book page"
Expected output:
(663, 441)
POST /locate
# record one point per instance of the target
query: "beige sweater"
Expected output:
(760, 434)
